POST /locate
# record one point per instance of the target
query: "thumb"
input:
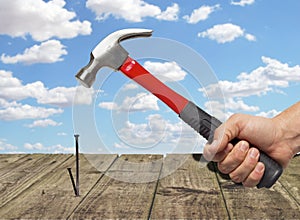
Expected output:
(222, 136)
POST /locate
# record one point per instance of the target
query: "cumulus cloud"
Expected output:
(4, 146)
(269, 114)
(66, 96)
(141, 102)
(42, 20)
(243, 2)
(158, 130)
(224, 33)
(27, 112)
(12, 88)
(47, 52)
(58, 148)
(170, 14)
(130, 86)
(43, 123)
(271, 77)
(131, 10)
(201, 13)
(166, 72)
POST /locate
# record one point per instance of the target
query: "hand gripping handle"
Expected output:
(206, 125)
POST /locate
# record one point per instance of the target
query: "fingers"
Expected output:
(235, 158)
(219, 148)
(212, 151)
(255, 176)
(242, 165)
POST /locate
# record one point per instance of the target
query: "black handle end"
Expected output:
(272, 171)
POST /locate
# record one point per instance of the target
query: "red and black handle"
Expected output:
(194, 116)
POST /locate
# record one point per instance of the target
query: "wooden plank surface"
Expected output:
(253, 203)
(137, 187)
(52, 197)
(189, 190)
(125, 192)
(20, 174)
(290, 179)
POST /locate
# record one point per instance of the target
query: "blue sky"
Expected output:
(251, 48)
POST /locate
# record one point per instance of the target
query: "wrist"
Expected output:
(287, 131)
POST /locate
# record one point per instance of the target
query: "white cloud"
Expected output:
(131, 10)
(66, 96)
(5, 104)
(108, 105)
(222, 109)
(271, 77)
(4, 146)
(141, 102)
(201, 13)
(58, 148)
(166, 72)
(250, 37)
(170, 14)
(61, 134)
(263, 79)
(7, 80)
(158, 130)
(269, 114)
(36, 146)
(223, 33)
(47, 52)
(27, 112)
(43, 123)
(11, 88)
(42, 20)
(130, 86)
(243, 2)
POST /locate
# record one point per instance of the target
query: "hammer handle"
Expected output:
(139, 74)
(206, 125)
(194, 116)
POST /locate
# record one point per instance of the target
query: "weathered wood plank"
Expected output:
(7, 159)
(253, 203)
(190, 192)
(291, 178)
(28, 169)
(52, 197)
(125, 192)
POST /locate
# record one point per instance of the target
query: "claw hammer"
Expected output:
(111, 54)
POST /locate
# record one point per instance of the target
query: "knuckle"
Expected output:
(222, 168)
(251, 181)
(236, 177)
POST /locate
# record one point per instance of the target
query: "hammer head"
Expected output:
(108, 53)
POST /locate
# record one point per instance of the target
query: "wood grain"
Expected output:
(38, 186)
(52, 197)
(190, 192)
(20, 174)
(290, 179)
(124, 192)
(253, 203)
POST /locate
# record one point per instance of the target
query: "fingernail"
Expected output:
(243, 146)
(259, 167)
(211, 150)
(253, 153)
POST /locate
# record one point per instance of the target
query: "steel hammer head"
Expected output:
(108, 53)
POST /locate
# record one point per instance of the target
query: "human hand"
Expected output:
(241, 161)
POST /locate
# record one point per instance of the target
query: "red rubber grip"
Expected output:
(139, 74)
